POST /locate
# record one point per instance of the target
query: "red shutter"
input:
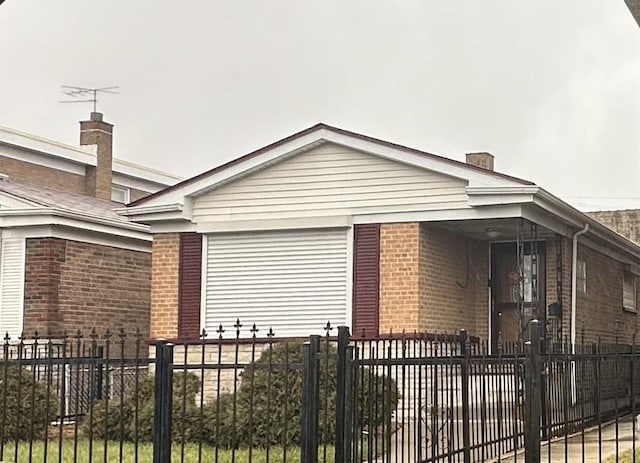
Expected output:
(189, 295)
(366, 280)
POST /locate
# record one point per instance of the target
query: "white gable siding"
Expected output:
(12, 263)
(292, 281)
(330, 180)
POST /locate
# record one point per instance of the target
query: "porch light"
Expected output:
(493, 233)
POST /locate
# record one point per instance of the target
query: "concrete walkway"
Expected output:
(596, 447)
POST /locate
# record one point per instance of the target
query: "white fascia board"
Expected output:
(50, 216)
(507, 211)
(494, 199)
(47, 147)
(162, 213)
(146, 174)
(474, 177)
(172, 227)
(149, 209)
(81, 235)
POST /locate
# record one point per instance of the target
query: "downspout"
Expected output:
(574, 303)
(574, 284)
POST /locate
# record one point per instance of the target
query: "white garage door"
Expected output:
(292, 281)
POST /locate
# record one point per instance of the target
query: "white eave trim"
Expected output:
(10, 218)
(46, 147)
(160, 213)
(135, 171)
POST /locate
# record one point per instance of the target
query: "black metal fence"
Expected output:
(389, 399)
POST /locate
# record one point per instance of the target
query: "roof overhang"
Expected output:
(44, 216)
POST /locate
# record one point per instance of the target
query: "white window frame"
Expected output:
(629, 306)
(125, 191)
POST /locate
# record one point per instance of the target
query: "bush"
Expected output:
(269, 400)
(121, 418)
(28, 417)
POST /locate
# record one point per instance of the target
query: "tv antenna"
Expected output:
(90, 94)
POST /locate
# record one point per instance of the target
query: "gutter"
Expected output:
(574, 283)
(574, 301)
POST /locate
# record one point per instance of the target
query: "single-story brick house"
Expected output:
(331, 225)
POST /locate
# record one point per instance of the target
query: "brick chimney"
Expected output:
(99, 133)
(483, 160)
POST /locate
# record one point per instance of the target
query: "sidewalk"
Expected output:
(595, 449)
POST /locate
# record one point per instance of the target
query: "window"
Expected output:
(629, 292)
(581, 277)
(120, 194)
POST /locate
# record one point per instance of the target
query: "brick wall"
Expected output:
(71, 285)
(565, 323)
(164, 285)
(429, 283)
(42, 280)
(453, 282)
(599, 311)
(48, 177)
(399, 277)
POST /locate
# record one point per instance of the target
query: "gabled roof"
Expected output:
(305, 137)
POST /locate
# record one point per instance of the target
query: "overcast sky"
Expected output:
(550, 87)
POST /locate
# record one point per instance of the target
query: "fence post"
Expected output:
(341, 395)
(464, 373)
(162, 414)
(532, 395)
(97, 352)
(310, 399)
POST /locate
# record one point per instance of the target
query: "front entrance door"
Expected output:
(509, 321)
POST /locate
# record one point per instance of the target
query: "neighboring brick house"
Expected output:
(68, 262)
(330, 225)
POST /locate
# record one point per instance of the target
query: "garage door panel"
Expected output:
(292, 281)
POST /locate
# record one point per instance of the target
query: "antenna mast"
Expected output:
(91, 94)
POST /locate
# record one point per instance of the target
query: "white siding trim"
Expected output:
(203, 285)
(12, 272)
(349, 314)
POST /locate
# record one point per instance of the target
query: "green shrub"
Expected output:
(121, 418)
(29, 416)
(269, 400)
